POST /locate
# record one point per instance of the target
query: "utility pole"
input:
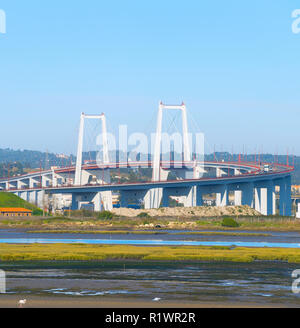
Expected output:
(8, 176)
(40, 174)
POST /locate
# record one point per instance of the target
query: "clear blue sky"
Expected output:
(235, 64)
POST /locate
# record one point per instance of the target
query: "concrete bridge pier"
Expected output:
(128, 197)
(191, 197)
(100, 200)
(237, 172)
(199, 196)
(9, 185)
(40, 197)
(187, 193)
(124, 199)
(267, 205)
(243, 194)
(257, 199)
(34, 182)
(102, 177)
(285, 202)
(247, 194)
(155, 197)
(32, 197)
(199, 171)
(288, 185)
(156, 194)
(23, 195)
(238, 197)
(96, 200)
(58, 179)
(46, 181)
(79, 199)
(74, 204)
(265, 198)
(222, 196)
(21, 184)
(220, 172)
(106, 200)
(148, 199)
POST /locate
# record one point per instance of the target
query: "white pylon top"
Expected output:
(165, 106)
(80, 143)
(97, 116)
(158, 139)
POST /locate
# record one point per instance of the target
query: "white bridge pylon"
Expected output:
(105, 197)
(158, 137)
(154, 196)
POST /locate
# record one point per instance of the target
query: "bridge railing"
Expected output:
(255, 170)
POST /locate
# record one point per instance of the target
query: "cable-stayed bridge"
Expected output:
(251, 183)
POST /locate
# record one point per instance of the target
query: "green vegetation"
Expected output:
(270, 223)
(12, 169)
(10, 200)
(82, 252)
(230, 222)
(81, 214)
(143, 215)
(86, 214)
(106, 215)
(54, 220)
(80, 222)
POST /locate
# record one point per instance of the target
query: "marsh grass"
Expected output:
(64, 223)
(83, 252)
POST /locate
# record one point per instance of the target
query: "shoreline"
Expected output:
(33, 301)
(150, 224)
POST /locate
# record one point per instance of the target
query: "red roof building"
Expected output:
(14, 211)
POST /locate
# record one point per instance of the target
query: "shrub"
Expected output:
(146, 222)
(107, 215)
(83, 213)
(37, 212)
(229, 222)
(143, 215)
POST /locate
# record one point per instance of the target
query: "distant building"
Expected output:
(115, 198)
(296, 189)
(15, 211)
(62, 156)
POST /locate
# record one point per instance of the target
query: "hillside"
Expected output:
(28, 158)
(11, 200)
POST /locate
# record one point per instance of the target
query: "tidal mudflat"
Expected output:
(257, 284)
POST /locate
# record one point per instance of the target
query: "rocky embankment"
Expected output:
(203, 211)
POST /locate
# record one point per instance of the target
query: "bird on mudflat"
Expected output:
(21, 303)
